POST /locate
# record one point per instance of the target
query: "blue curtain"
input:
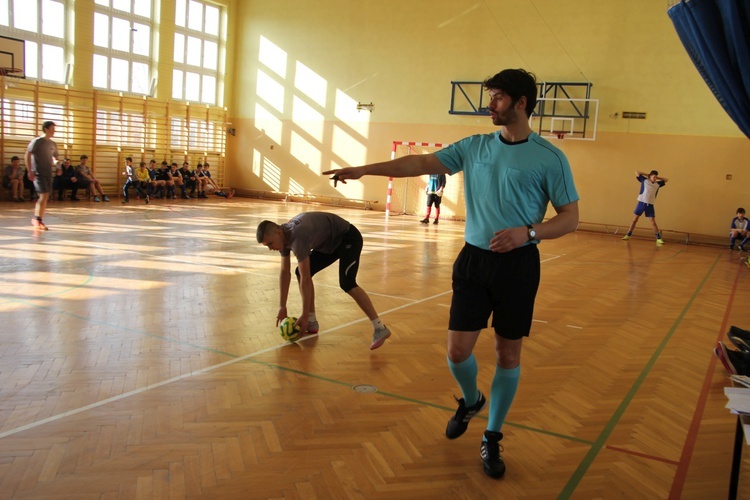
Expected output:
(716, 35)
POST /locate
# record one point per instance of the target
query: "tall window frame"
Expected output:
(123, 44)
(198, 52)
(42, 24)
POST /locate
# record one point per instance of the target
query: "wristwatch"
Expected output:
(531, 232)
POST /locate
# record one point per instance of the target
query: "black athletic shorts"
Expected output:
(347, 253)
(433, 198)
(501, 284)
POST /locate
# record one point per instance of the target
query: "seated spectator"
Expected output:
(226, 192)
(164, 181)
(65, 178)
(188, 181)
(143, 178)
(13, 179)
(740, 227)
(201, 181)
(86, 179)
(133, 181)
(176, 178)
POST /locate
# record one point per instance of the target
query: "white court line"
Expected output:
(135, 392)
(574, 326)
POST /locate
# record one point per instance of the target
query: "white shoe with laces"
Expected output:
(379, 337)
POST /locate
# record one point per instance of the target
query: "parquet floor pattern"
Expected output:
(139, 359)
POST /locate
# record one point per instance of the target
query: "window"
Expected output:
(41, 23)
(122, 45)
(196, 52)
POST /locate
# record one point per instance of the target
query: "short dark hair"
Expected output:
(264, 228)
(152, 161)
(84, 157)
(143, 164)
(653, 172)
(516, 83)
(164, 162)
(174, 164)
(200, 165)
(740, 210)
(15, 158)
(128, 159)
(47, 125)
(205, 164)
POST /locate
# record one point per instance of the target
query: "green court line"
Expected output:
(588, 460)
(412, 400)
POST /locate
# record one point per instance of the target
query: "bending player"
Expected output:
(318, 239)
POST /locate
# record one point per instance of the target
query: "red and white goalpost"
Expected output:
(406, 196)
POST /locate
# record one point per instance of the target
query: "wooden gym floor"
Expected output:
(139, 359)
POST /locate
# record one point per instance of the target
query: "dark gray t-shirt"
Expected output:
(319, 231)
(43, 155)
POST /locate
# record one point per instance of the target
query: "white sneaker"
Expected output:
(96, 198)
(379, 337)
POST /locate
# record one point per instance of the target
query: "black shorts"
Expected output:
(347, 253)
(434, 199)
(501, 284)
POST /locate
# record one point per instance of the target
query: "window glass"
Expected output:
(25, 15)
(142, 8)
(194, 51)
(212, 20)
(141, 39)
(192, 86)
(195, 16)
(102, 2)
(53, 15)
(32, 59)
(210, 54)
(140, 78)
(177, 84)
(101, 30)
(179, 17)
(52, 63)
(100, 71)
(124, 26)
(179, 48)
(120, 74)
(120, 34)
(4, 18)
(123, 5)
(197, 49)
(208, 92)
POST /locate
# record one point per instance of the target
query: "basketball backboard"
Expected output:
(12, 56)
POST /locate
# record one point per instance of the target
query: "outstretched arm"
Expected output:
(406, 166)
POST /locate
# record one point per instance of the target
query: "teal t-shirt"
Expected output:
(508, 184)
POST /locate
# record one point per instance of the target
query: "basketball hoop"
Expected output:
(14, 72)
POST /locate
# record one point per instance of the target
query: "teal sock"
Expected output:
(465, 374)
(504, 385)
